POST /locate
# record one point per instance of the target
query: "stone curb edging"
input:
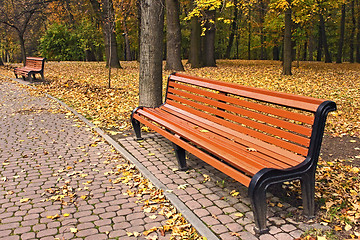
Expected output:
(202, 229)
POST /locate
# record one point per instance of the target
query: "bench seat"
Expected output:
(257, 137)
(33, 65)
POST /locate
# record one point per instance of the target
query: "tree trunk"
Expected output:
(358, 35)
(262, 9)
(173, 36)
(276, 53)
(232, 31)
(320, 45)
(127, 49)
(195, 44)
(249, 36)
(311, 47)
(22, 46)
(109, 33)
(324, 40)
(105, 13)
(305, 51)
(352, 34)
(287, 42)
(151, 42)
(342, 35)
(209, 40)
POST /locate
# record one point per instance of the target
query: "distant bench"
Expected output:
(257, 137)
(33, 65)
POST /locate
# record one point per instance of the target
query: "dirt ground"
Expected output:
(345, 147)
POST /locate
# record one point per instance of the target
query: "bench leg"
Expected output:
(258, 202)
(308, 193)
(136, 125)
(181, 157)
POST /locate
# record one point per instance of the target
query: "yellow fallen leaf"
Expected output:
(56, 216)
(147, 232)
(337, 228)
(153, 217)
(280, 205)
(24, 200)
(234, 193)
(239, 214)
(321, 238)
(66, 214)
(183, 186)
(204, 130)
(151, 154)
(348, 227)
(148, 210)
(73, 230)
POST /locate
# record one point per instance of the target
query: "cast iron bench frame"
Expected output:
(256, 136)
(33, 65)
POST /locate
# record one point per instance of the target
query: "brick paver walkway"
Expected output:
(54, 176)
(57, 175)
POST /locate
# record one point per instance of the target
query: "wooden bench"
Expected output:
(257, 137)
(33, 65)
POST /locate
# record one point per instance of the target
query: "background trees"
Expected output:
(322, 30)
(22, 16)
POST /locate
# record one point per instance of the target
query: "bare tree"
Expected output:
(104, 11)
(20, 15)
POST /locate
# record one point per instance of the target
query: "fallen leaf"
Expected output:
(234, 193)
(204, 130)
(348, 227)
(24, 200)
(321, 238)
(183, 186)
(251, 149)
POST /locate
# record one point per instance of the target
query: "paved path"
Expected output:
(57, 181)
(54, 176)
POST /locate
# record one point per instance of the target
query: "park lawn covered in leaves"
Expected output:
(84, 86)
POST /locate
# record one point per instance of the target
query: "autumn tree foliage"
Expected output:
(209, 29)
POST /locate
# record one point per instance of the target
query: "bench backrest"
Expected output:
(35, 63)
(291, 122)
